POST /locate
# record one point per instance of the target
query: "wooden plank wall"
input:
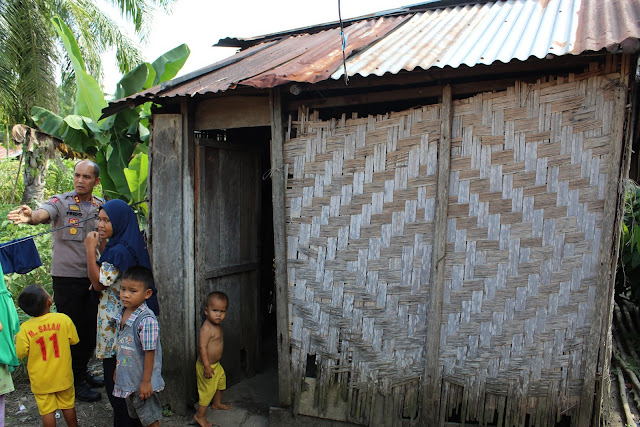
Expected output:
(167, 254)
(528, 177)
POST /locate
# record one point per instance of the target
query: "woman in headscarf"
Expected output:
(125, 248)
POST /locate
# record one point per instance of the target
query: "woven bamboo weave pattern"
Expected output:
(360, 208)
(527, 190)
(527, 181)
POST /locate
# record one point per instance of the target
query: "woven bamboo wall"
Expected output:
(528, 180)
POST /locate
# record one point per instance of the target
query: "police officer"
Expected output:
(71, 285)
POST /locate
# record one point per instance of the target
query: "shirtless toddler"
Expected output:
(209, 373)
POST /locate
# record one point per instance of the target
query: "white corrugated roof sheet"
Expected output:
(475, 34)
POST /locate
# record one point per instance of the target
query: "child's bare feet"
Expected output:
(202, 421)
(220, 405)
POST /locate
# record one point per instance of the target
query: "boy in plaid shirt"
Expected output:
(138, 351)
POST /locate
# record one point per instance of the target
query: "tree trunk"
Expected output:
(37, 149)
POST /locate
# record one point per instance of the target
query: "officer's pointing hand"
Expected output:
(22, 215)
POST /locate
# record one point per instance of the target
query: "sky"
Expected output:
(201, 23)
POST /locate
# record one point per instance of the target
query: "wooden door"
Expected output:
(227, 232)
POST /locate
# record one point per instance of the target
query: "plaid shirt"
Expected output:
(148, 331)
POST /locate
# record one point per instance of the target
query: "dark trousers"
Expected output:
(73, 298)
(121, 416)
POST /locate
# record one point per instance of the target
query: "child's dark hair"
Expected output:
(139, 273)
(219, 296)
(33, 300)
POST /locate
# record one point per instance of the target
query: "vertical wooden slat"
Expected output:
(630, 116)
(597, 350)
(188, 233)
(280, 248)
(432, 372)
(169, 266)
(201, 206)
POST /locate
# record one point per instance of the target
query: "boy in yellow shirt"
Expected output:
(46, 339)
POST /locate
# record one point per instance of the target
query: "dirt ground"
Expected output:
(21, 409)
(251, 399)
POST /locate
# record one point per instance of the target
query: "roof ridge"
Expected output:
(243, 43)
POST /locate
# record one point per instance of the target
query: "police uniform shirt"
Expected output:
(68, 251)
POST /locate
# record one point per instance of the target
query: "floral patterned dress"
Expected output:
(108, 308)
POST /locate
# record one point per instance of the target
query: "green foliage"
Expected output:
(8, 176)
(89, 98)
(27, 58)
(166, 411)
(66, 95)
(136, 175)
(628, 274)
(117, 143)
(29, 54)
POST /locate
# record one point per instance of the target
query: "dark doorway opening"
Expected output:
(238, 254)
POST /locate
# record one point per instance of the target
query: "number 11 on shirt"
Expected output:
(43, 347)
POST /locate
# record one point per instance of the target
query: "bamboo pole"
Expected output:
(280, 249)
(598, 350)
(632, 376)
(432, 374)
(625, 402)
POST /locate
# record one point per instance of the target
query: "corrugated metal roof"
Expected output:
(500, 31)
(418, 36)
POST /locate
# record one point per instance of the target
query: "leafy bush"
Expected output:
(628, 274)
(8, 174)
(59, 179)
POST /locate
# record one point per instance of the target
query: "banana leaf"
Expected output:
(136, 175)
(89, 97)
(169, 64)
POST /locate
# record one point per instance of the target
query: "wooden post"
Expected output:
(432, 373)
(167, 250)
(188, 232)
(280, 246)
(598, 351)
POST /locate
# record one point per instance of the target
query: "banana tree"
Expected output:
(119, 143)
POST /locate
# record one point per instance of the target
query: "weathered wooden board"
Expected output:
(278, 180)
(166, 226)
(233, 112)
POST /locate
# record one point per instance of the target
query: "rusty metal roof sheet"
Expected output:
(422, 35)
